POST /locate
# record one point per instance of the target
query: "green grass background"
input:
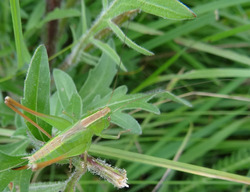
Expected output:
(204, 60)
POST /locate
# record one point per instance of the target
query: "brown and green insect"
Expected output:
(73, 141)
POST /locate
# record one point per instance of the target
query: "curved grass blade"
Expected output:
(128, 41)
(160, 162)
(110, 52)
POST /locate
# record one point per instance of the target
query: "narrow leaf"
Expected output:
(47, 186)
(227, 33)
(36, 15)
(110, 52)
(231, 55)
(126, 40)
(60, 14)
(22, 51)
(171, 96)
(209, 73)
(164, 163)
(90, 59)
(143, 28)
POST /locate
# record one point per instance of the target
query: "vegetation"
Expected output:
(68, 60)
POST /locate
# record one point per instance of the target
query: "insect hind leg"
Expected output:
(113, 136)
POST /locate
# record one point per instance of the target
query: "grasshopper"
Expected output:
(73, 141)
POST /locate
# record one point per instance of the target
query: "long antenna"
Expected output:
(11, 103)
(119, 67)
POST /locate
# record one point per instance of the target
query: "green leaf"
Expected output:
(47, 186)
(171, 96)
(84, 17)
(210, 6)
(7, 115)
(37, 91)
(98, 80)
(88, 58)
(67, 93)
(59, 14)
(184, 29)
(22, 179)
(55, 106)
(142, 28)
(231, 55)
(6, 177)
(8, 161)
(121, 101)
(15, 148)
(212, 141)
(209, 73)
(164, 163)
(126, 121)
(126, 40)
(11, 86)
(75, 107)
(19, 179)
(57, 122)
(227, 33)
(36, 15)
(110, 52)
(6, 132)
(170, 9)
(22, 51)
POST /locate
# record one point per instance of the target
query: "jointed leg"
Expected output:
(113, 136)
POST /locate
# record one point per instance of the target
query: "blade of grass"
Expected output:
(231, 55)
(22, 51)
(160, 162)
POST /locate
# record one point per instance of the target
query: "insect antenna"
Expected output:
(119, 66)
(11, 103)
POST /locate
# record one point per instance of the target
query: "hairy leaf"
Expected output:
(99, 80)
(126, 40)
(119, 101)
(67, 93)
(47, 187)
(110, 52)
(37, 91)
(19, 179)
(8, 161)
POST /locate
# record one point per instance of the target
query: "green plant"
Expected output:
(95, 93)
